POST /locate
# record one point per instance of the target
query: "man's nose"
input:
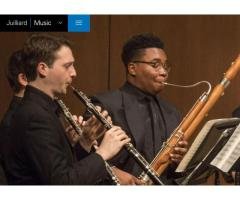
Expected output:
(73, 72)
(163, 72)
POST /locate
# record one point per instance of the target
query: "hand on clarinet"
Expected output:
(75, 138)
(72, 135)
(93, 128)
(113, 141)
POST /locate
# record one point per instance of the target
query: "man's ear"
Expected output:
(132, 69)
(42, 69)
(22, 79)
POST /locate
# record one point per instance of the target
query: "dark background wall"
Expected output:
(199, 48)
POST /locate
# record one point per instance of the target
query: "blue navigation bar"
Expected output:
(78, 23)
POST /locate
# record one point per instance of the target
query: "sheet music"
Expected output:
(198, 141)
(229, 153)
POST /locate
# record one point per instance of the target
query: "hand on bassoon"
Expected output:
(179, 151)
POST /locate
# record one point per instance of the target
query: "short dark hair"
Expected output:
(41, 48)
(136, 45)
(14, 68)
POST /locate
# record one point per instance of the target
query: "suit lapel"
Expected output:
(133, 117)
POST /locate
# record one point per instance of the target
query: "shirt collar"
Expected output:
(40, 98)
(138, 92)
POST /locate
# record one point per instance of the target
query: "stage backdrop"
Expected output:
(199, 48)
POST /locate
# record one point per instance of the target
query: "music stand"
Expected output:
(213, 136)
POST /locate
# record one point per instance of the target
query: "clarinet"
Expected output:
(79, 131)
(129, 146)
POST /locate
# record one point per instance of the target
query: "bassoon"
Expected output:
(191, 121)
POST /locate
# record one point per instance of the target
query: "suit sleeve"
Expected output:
(53, 161)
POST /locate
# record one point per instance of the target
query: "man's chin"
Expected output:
(159, 88)
(160, 85)
(64, 91)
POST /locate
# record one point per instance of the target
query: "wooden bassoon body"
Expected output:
(191, 121)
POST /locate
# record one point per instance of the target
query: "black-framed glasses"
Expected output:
(156, 64)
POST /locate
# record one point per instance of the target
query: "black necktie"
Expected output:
(158, 133)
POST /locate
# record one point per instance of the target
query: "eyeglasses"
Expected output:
(156, 64)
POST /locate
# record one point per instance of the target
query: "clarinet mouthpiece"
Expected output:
(73, 88)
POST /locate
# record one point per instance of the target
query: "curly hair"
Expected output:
(135, 46)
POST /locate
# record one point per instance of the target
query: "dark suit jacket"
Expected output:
(122, 107)
(236, 112)
(4, 129)
(38, 150)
